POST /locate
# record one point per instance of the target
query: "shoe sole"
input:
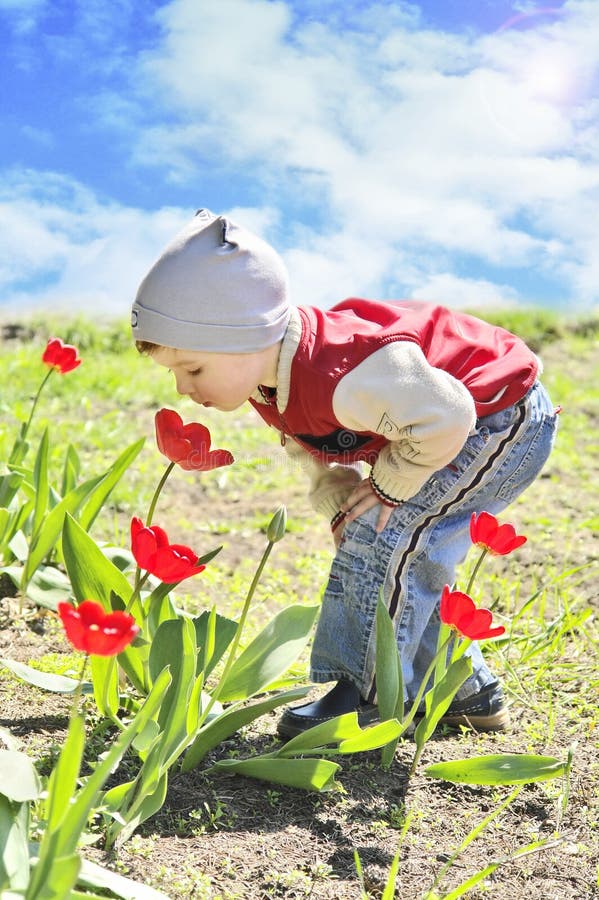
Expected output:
(290, 730)
(499, 721)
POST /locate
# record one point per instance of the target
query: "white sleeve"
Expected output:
(425, 413)
(330, 484)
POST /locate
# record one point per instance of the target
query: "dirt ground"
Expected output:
(220, 837)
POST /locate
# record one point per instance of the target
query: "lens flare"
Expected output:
(530, 17)
(551, 75)
(534, 75)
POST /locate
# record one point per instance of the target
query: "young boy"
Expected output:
(445, 409)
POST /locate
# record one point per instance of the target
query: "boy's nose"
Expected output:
(182, 385)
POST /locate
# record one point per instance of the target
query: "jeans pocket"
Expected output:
(527, 458)
(350, 555)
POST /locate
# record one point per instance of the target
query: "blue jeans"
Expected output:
(417, 553)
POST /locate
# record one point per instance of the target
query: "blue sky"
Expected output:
(446, 149)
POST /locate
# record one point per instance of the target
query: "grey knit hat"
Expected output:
(215, 287)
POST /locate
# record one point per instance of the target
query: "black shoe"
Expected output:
(343, 698)
(485, 711)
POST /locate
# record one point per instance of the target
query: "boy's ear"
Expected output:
(226, 236)
(205, 214)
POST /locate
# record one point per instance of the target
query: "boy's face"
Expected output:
(221, 380)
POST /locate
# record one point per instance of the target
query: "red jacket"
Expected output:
(495, 366)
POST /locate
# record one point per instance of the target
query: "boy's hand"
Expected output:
(361, 499)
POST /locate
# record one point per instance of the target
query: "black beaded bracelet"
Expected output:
(337, 520)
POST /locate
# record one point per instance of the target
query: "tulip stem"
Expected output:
(159, 487)
(15, 456)
(460, 648)
(78, 690)
(440, 654)
(139, 583)
(476, 568)
(240, 626)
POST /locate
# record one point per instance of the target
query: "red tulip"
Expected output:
(187, 445)
(499, 540)
(90, 629)
(59, 356)
(459, 611)
(152, 552)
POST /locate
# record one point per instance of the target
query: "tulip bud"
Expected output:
(277, 525)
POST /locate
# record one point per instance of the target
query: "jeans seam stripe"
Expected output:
(458, 499)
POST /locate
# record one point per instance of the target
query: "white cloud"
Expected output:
(447, 143)
(64, 248)
(469, 293)
(326, 268)
(383, 157)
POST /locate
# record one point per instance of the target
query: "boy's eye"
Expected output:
(195, 371)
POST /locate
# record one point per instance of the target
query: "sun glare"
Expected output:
(551, 76)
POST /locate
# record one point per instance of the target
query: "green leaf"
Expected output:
(47, 681)
(17, 522)
(270, 653)
(208, 557)
(198, 701)
(307, 774)
(14, 846)
(70, 471)
(95, 876)
(98, 496)
(388, 669)
(174, 647)
(18, 546)
(60, 879)
(360, 874)
(372, 738)
(45, 539)
(84, 895)
(231, 721)
(209, 644)
(224, 631)
(114, 798)
(5, 519)
(122, 559)
(88, 795)
(105, 680)
(48, 587)
(10, 740)
(92, 575)
(389, 676)
(9, 487)
(499, 768)
(332, 731)
(146, 806)
(439, 698)
(40, 481)
(389, 892)
(471, 882)
(134, 658)
(63, 780)
(146, 738)
(19, 780)
(159, 608)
